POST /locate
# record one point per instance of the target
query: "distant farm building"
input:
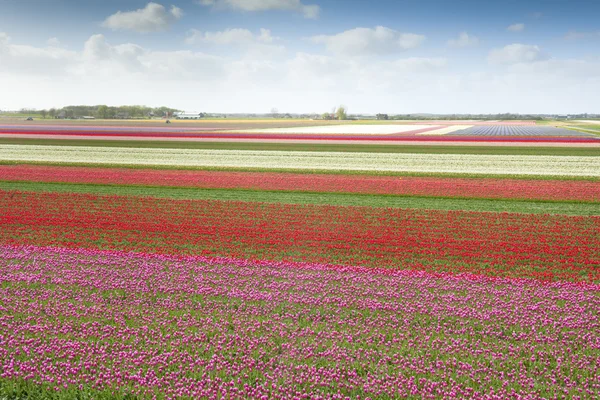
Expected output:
(189, 116)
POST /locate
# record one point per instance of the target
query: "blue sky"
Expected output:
(303, 56)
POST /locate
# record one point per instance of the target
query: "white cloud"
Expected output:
(96, 48)
(516, 53)
(408, 41)
(4, 39)
(516, 27)
(420, 64)
(367, 41)
(259, 45)
(24, 59)
(126, 73)
(99, 57)
(152, 18)
(575, 35)
(229, 36)
(307, 10)
(464, 40)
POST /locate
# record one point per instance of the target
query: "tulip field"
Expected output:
(174, 269)
(268, 181)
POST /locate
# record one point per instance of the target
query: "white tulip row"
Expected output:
(344, 129)
(444, 163)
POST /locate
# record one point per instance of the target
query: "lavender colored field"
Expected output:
(515, 130)
(89, 324)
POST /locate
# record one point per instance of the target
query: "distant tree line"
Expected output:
(337, 113)
(103, 112)
(505, 116)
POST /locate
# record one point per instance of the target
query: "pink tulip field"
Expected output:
(118, 324)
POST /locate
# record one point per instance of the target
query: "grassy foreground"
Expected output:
(336, 199)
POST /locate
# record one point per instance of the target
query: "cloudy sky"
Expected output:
(394, 56)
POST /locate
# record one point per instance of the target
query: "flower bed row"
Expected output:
(572, 166)
(549, 247)
(411, 186)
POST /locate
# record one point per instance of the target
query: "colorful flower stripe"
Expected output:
(215, 134)
(393, 162)
(408, 136)
(549, 247)
(87, 323)
(413, 186)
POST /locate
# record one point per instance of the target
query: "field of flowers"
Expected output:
(302, 160)
(540, 246)
(114, 324)
(235, 274)
(393, 185)
(315, 131)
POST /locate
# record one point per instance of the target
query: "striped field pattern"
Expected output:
(306, 160)
(271, 270)
(489, 188)
(506, 130)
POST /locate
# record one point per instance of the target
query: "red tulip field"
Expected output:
(183, 279)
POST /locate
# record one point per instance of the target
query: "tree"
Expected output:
(43, 113)
(52, 112)
(341, 113)
(274, 112)
(382, 116)
(102, 112)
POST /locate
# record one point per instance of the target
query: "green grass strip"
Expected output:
(337, 199)
(593, 129)
(358, 147)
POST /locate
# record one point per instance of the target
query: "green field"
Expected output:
(573, 125)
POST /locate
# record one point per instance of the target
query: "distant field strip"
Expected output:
(481, 148)
(344, 129)
(446, 130)
(501, 130)
(408, 162)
